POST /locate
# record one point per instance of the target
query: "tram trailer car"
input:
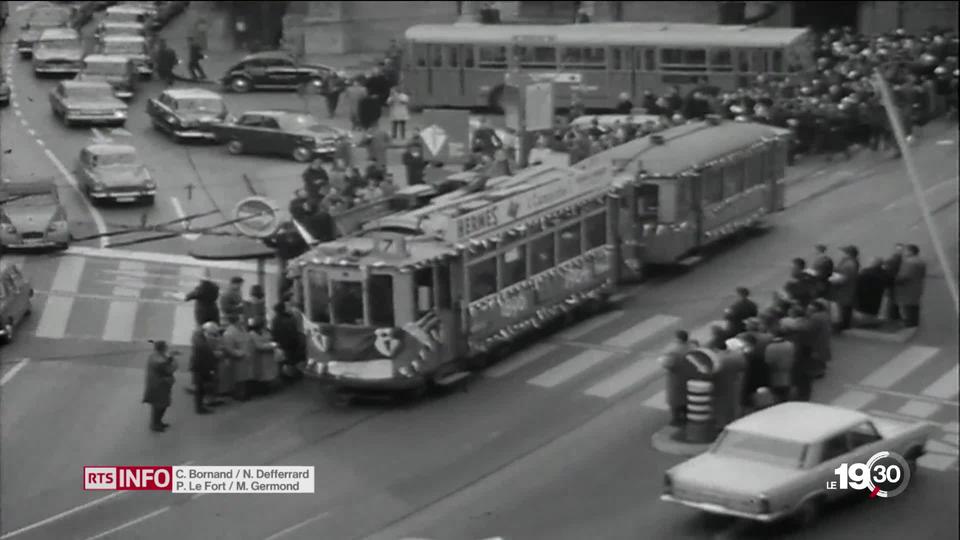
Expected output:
(422, 297)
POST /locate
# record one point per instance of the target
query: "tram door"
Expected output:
(622, 75)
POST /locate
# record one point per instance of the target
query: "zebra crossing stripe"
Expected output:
(900, 366)
(570, 369)
(658, 401)
(946, 387)
(56, 311)
(519, 360)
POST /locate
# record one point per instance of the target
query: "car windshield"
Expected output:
(753, 447)
(105, 68)
(91, 93)
(27, 200)
(123, 47)
(297, 122)
(48, 18)
(112, 160)
(207, 105)
(59, 44)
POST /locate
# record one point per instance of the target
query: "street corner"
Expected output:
(670, 440)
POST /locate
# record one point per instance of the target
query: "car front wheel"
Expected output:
(240, 85)
(302, 154)
(235, 147)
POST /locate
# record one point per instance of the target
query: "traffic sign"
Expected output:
(446, 135)
(539, 106)
(258, 217)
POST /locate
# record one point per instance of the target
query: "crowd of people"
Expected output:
(784, 347)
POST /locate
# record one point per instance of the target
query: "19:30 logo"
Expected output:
(885, 474)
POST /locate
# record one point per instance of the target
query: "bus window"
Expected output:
(568, 242)
(572, 56)
(453, 56)
(616, 59)
(712, 188)
(648, 200)
(348, 302)
(542, 254)
(778, 62)
(483, 278)
(743, 61)
(683, 59)
(759, 61)
(420, 54)
(494, 57)
(380, 289)
(468, 56)
(514, 269)
(595, 230)
(650, 57)
(595, 58)
(671, 56)
(537, 57)
(733, 178)
(721, 60)
(317, 296)
(436, 55)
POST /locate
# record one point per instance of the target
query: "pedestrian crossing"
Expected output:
(118, 300)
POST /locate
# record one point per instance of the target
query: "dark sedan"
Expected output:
(187, 113)
(286, 133)
(274, 70)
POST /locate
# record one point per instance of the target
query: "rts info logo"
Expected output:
(885, 475)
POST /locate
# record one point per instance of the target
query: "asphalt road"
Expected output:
(427, 467)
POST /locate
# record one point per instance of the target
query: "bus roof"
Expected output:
(654, 34)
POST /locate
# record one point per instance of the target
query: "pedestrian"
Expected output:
(624, 105)
(355, 95)
(414, 164)
(779, 357)
(679, 371)
(822, 263)
(909, 285)
(741, 310)
(718, 338)
(871, 284)
(334, 85)
(371, 108)
(799, 330)
(264, 357)
(399, 104)
(204, 298)
(194, 56)
(161, 365)
(316, 181)
(821, 330)
(231, 301)
(204, 356)
(485, 138)
(166, 59)
(843, 284)
(255, 306)
(234, 367)
(378, 85)
(286, 332)
(891, 266)
(756, 375)
(378, 144)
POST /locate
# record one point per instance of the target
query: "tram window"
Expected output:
(712, 189)
(572, 56)
(537, 57)
(760, 61)
(483, 278)
(568, 243)
(317, 296)
(595, 58)
(436, 53)
(493, 57)
(743, 61)
(756, 173)
(420, 54)
(648, 200)
(733, 179)
(468, 56)
(423, 283)
(347, 302)
(453, 56)
(542, 254)
(380, 289)
(721, 60)
(651, 60)
(514, 266)
(616, 59)
(778, 62)
(595, 230)
(671, 56)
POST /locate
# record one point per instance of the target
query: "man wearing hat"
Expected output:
(203, 363)
(231, 301)
(204, 298)
(159, 382)
(843, 285)
(741, 310)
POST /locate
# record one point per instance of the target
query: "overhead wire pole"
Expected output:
(898, 132)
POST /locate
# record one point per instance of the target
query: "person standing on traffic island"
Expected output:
(231, 301)
(159, 382)
(399, 103)
(679, 370)
(909, 285)
(822, 265)
(204, 298)
(779, 357)
(166, 61)
(197, 49)
(236, 366)
(741, 310)
(203, 364)
(892, 267)
(843, 285)
(414, 164)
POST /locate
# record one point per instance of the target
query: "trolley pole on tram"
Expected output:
(898, 132)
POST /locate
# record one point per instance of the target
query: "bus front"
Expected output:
(361, 327)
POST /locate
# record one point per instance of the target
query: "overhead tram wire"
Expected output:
(918, 191)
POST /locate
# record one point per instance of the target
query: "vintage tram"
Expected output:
(420, 297)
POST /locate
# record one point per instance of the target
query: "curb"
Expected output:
(900, 336)
(665, 440)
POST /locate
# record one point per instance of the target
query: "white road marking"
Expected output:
(131, 523)
(854, 399)
(167, 259)
(122, 314)
(900, 366)
(41, 143)
(99, 137)
(183, 322)
(31, 132)
(658, 401)
(586, 327)
(937, 447)
(928, 193)
(12, 372)
(62, 515)
(16, 110)
(936, 462)
(23, 7)
(952, 438)
(97, 218)
(178, 209)
(952, 427)
(516, 361)
(642, 331)
(297, 526)
(56, 310)
(570, 369)
(945, 142)
(946, 387)
(120, 132)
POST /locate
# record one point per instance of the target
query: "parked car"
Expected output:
(135, 48)
(187, 113)
(274, 70)
(114, 172)
(42, 17)
(87, 102)
(32, 216)
(775, 463)
(118, 71)
(58, 51)
(4, 89)
(123, 13)
(16, 300)
(286, 133)
(108, 28)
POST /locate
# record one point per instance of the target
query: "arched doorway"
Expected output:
(825, 15)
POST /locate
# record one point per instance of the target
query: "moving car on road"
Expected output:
(775, 463)
(135, 48)
(114, 172)
(88, 102)
(4, 89)
(31, 215)
(16, 295)
(286, 133)
(123, 13)
(41, 18)
(58, 51)
(118, 71)
(108, 28)
(187, 113)
(274, 70)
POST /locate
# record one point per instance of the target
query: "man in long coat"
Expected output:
(909, 283)
(678, 372)
(231, 301)
(236, 366)
(159, 382)
(203, 363)
(204, 298)
(892, 267)
(741, 310)
(844, 286)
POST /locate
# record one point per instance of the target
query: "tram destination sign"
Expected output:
(523, 205)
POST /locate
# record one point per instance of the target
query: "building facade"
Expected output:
(347, 27)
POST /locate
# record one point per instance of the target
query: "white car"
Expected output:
(775, 463)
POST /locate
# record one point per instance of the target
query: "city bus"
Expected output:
(420, 298)
(463, 65)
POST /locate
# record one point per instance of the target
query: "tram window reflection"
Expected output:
(318, 297)
(347, 302)
(483, 278)
(568, 245)
(514, 265)
(595, 230)
(648, 200)
(542, 254)
(380, 289)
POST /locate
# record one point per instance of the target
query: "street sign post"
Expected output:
(256, 217)
(446, 135)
